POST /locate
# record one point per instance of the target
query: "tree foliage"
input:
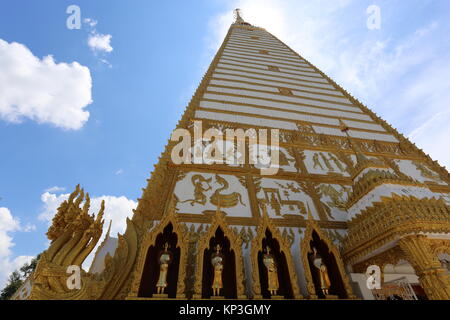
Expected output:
(16, 278)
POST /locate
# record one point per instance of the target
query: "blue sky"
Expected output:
(158, 52)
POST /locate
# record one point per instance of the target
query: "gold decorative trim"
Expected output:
(218, 221)
(255, 115)
(256, 246)
(392, 217)
(439, 246)
(149, 239)
(312, 226)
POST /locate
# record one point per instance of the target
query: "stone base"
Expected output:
(217, 297)
(276, 297)
(331, 297)
(160, 296)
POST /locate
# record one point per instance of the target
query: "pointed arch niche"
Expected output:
(233, 271)
(340, 283)
(147, 271)
(269, 235)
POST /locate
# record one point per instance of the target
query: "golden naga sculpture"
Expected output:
(74, 233)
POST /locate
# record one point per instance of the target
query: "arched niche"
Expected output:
(229, 270)
(150, 272)
(284, 280)
(169, 229)
(268, 235)
(340, 283)
(219, 233)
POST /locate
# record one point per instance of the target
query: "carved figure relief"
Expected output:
(418, 171)
(334, 199)
(225, 200)
(426, 172)
(282, 198)
(201, 193)
(324, 163)
(201, 185)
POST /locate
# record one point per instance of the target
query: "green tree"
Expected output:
(14, 282)
(28, 268)
(17, 278)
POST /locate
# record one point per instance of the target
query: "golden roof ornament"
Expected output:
(237, 16)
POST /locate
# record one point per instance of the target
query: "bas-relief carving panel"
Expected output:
(324, 163)
(284, 197)
(334, 198)
(200, 192)
(286, 160)
(419, 171)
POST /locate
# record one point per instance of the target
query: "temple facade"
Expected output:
(350, 210)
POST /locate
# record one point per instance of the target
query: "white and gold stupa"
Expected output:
(350, 194)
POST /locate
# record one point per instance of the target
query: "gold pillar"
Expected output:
(427, 266)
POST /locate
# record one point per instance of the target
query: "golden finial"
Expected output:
(237, 16)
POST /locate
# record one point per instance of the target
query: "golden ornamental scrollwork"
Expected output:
(427, 266)
(149, 239)
(246, 235)
(391, 218)
(391, 256)
(218, 221)
(305, 248)
(256, 246)
(439, 246)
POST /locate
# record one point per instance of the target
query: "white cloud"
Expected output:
(55, 189)
(100, 42)
(91, 22)
(117, 210)
(118, 172)
(400, 72)
(41, 89)
(8, 263)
